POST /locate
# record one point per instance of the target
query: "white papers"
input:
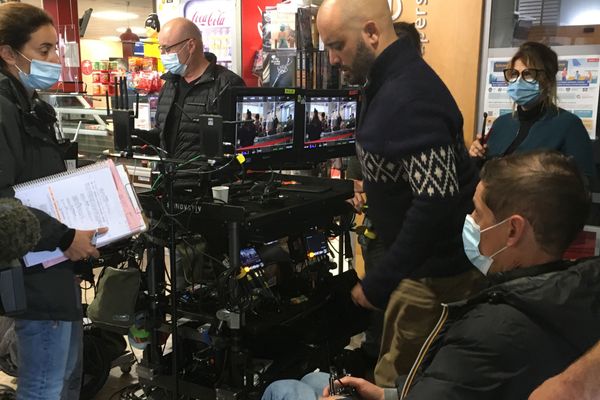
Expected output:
(88, 198)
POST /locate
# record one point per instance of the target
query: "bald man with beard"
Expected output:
(418, 177)
(192, 84)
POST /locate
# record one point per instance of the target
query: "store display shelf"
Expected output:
(86, 129)
(82, 111)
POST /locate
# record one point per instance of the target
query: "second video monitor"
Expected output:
(289, 128)
(330, 119)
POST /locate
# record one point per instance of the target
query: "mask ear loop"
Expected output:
(17, 65)
(189, 54)
(492, 227)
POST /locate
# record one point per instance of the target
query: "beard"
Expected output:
(361, 65)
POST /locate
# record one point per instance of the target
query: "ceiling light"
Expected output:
(115, 15)
(110, 38)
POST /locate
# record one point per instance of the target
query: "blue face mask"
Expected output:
(471, 238)
(42, 75)
(524, 93)
(172, 64)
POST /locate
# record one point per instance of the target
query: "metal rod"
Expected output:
(169, 178)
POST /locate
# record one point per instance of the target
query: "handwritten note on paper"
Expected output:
(86, 199)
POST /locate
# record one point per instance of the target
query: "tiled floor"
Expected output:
(118, 381)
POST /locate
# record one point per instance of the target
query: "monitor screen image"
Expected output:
(250, 259)
(268, 123)
(329, 120)
(316, 245)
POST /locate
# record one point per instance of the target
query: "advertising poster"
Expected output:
(217, 21)
(167, 10)
(577, 89)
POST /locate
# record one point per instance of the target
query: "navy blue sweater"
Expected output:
(418, 177)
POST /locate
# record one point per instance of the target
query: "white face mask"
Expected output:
(471, 239)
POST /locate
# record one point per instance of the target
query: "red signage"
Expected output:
(252, 35)
(86, 67)
(214, 18)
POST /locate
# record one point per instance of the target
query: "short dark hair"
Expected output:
(405, 29)
(546, 188)
(17, 22)
(539, 56)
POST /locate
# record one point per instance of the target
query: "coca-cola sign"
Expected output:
(210, 13)
(212, 18)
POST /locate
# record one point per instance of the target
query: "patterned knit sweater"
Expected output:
(418, 177)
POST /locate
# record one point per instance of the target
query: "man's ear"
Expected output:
(194, 43)
(517, 230)
(371, 33)
(8, 54)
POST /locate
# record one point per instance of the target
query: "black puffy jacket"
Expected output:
(29, 150)
(507, 340)
(202, 99)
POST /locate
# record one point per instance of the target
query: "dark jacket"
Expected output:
(247, 134)
(29, 150)
(555, 130)
(418, 177)
(314, 129)
(504, 342)
(201, 99)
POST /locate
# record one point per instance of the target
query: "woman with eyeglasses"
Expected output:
(537, 123)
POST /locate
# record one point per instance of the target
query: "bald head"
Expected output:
(181, 29)
(358, 15)
(355, 32)
(357, 12)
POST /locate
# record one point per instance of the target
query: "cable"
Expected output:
(157, 150)
(179, 166)
(128, 392)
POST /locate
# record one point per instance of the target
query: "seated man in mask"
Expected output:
(539, 312)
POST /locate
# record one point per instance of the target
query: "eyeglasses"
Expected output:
(529, 75)
(167, 49)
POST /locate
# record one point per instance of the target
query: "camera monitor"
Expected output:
(250, 259)
(268, 121)
(316, 245)
(330, 120)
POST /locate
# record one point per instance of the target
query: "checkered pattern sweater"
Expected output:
(418, 177)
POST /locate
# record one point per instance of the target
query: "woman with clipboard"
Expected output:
(49, 332)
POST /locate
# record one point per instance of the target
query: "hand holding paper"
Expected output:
(84, 244)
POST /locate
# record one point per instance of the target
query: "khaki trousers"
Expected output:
(412, 312)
